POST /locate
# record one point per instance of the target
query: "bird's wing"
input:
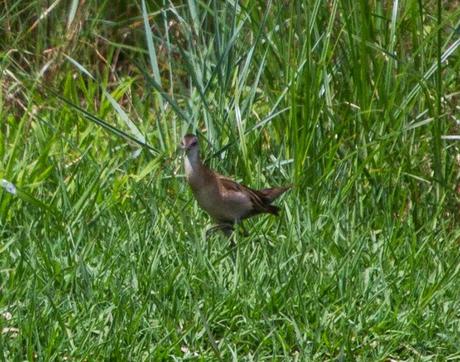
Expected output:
(259, 202)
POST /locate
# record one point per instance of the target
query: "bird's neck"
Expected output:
(193, 164)
(198, 175)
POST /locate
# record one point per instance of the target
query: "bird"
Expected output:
(226, 201)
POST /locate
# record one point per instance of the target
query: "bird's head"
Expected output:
(189, 143)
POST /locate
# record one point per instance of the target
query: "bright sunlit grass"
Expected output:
(103, 253)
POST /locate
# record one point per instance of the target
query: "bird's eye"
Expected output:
(193, 144)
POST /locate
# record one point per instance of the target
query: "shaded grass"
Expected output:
(103, 253)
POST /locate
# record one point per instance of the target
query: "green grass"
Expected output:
(103, 253)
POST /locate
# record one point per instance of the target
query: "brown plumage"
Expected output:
(225, 200)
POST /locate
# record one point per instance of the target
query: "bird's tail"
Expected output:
(273, 193)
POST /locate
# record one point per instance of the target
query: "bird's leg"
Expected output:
(228, 231)
(226, 228)
(245, 233)
(211, 230)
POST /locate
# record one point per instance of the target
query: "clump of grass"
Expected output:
(103, 254)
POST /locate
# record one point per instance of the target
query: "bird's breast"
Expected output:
(221, 205)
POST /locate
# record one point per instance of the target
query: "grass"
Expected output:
(103, 254)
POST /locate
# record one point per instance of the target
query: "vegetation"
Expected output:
(103, 254)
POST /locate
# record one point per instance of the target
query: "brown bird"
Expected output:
(225, 200)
